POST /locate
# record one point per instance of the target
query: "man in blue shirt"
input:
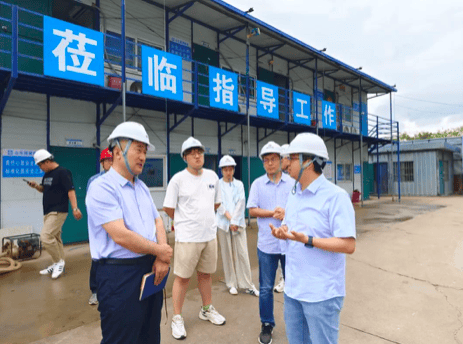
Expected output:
(128, 239)
(319, 228)
(267, 201)
(106, 160)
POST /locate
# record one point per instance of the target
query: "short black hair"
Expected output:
(317, 166)
(189, 150)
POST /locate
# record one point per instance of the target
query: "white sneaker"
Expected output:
(178, 327)
(280, 287)
(58, 270)
(233, 291)
(252, 291)
(48, 270)
(93, 300)
(212, 315)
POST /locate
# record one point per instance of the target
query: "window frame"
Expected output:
(164, 167)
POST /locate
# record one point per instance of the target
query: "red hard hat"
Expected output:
(105, 154)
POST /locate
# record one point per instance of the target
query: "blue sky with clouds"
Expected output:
(417, 45)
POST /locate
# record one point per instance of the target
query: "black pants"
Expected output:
(93, 277)
(125, 319)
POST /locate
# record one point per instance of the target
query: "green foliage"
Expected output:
(455, 132)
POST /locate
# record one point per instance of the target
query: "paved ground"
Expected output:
(404, 285)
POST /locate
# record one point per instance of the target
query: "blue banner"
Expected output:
(19, 163)
(72, 52)
(161, 74)
(329, 115)
(356, 169)
(301, 108)
(223, 89)
(364, 116)
(267, 100)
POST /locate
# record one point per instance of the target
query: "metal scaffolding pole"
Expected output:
(124, 82)
(247, 115)
(361, 142)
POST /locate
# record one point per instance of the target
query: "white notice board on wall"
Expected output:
(328, 170)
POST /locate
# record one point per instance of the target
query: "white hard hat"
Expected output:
(308, 143)
(42, 155)
(227, 160)
(191, 142)
(284, 148)
(130, 130)
(270, 147)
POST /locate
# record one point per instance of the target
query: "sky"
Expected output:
(415, 45)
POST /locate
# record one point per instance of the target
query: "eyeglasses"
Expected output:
(271, 160)
(196, 152)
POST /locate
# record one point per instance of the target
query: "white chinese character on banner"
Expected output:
(268, 100)
(302, 102)
(223, 89)
(163, 79)
(329, 115)
(63, 47)
(7, 162)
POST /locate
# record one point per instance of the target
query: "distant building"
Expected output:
(427, 167)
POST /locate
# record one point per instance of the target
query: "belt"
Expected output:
(127, 261)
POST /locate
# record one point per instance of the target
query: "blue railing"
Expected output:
(195, 76)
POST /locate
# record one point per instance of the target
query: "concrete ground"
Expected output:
(404, 285)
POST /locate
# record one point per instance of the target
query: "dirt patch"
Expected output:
(376, 214)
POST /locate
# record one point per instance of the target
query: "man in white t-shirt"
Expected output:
(192, 197)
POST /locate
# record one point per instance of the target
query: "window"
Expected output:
(242, 86)
(344, 172)
(154, 172)
(113, 49)
(142, 42)
(446, 171)
(406, 171)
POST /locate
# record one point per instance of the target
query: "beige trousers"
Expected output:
(51, 235)
(235, 258)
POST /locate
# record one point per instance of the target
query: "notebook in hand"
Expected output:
(147, 285)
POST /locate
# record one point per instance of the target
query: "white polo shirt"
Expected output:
(193, 198)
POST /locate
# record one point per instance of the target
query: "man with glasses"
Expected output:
(267, 201)
(192, 197)
(319, 231)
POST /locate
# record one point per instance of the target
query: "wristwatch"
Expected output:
(309, 242)
(75, 209)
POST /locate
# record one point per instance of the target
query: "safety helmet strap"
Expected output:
(124, 154)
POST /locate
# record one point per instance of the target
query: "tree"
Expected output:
(456, 132)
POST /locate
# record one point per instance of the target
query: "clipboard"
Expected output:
(147, 285)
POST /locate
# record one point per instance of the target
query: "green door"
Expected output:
(257, 170)
(81, 163)
(441, 178)
(207, 57)
(368, 180)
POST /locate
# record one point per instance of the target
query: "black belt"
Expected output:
(127, 261)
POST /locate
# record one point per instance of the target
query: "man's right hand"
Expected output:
(32, 184)
(164, 253)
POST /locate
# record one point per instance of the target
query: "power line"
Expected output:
(138, 20)
(429, 101)
(426, 111)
